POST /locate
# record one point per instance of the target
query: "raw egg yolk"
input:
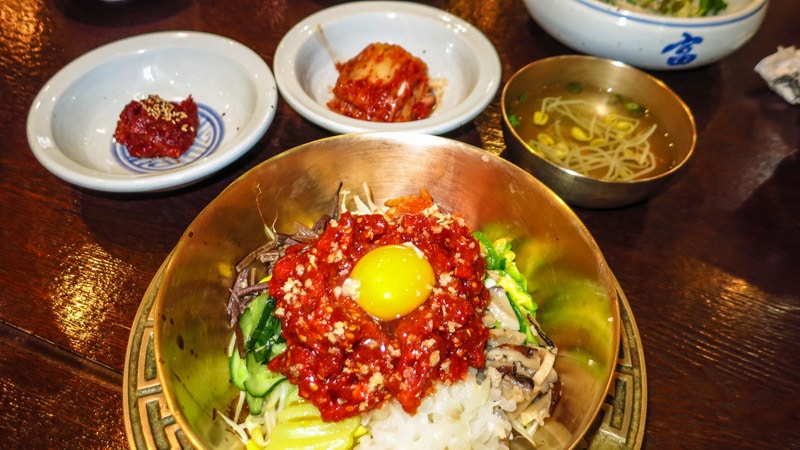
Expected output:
(392, 280)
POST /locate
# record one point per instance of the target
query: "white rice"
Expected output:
(458, 416)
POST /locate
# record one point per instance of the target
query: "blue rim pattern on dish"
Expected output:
(209, 137)
(689, 23)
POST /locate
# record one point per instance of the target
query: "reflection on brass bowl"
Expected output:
(675, 127)
(568, 275)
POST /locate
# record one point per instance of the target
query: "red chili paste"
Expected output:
(383, 83)
(155, 127)
(347, 362)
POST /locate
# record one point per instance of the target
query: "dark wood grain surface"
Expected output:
(711, 267)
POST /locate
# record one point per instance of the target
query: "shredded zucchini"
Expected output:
(502, 270)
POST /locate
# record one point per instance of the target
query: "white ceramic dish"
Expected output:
(648, 41)
(454, 50)
(72, 120)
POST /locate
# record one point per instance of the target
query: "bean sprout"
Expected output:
(607, 147)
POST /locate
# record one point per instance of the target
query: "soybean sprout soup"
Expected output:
(596, 132)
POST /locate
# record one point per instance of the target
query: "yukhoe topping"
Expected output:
(387, 327)
(350, 361)
(383, 83)
(155, 127)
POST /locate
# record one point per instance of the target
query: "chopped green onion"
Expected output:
(635, 109)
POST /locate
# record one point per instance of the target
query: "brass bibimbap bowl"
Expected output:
(568, 276)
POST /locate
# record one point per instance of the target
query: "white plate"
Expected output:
(455, 51)
(72, 120)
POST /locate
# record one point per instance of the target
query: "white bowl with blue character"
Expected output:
(650, 39)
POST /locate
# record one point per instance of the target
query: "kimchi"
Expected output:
(383, 83)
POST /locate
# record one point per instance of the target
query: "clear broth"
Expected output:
(605, 101)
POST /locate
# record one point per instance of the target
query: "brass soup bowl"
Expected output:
(670, 112)
(568, 275)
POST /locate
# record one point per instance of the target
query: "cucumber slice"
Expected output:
(250, 317)
(261, 330)
(260, 380)
(254, 404)
(238, 370)
(277, 349)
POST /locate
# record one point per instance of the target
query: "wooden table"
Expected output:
(711, 267)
